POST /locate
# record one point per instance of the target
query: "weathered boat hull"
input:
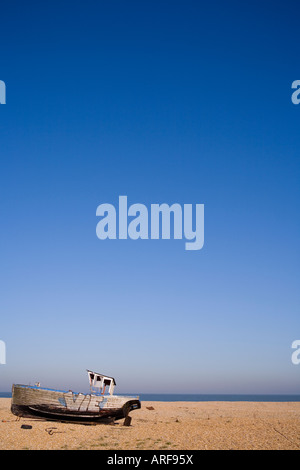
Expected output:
(36, 402)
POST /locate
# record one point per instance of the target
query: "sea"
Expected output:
(199, 397)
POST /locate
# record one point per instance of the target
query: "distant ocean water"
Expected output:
(198, 397)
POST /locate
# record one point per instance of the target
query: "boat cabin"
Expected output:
(101, 384)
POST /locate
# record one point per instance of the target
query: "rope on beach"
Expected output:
(51, 431)
(290, 440)
(281, 434)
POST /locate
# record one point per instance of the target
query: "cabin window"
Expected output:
(107, 382)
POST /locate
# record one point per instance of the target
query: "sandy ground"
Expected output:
(165, 426)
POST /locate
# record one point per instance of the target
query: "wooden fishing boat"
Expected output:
(100, 405)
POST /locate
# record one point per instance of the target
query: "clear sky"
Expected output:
(165, 102)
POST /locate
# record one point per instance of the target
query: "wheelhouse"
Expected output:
(101, 384)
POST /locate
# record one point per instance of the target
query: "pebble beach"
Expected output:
(164, 426)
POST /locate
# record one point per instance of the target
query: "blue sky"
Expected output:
(186, 102)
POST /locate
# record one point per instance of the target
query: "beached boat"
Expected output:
(100, 405)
